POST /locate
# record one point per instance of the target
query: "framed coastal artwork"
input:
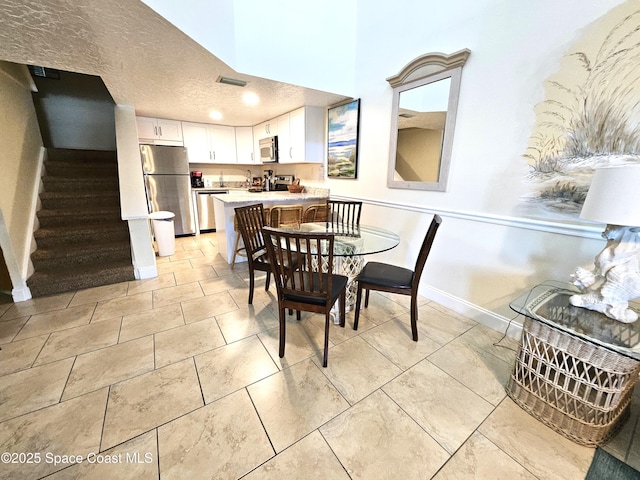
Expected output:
(342, 135)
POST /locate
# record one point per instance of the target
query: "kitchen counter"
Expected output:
(225, 203)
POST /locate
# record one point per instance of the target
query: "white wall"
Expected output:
(21, 161)
(486, 252)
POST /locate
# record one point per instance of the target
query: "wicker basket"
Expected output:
(295, 187)
(579, 389)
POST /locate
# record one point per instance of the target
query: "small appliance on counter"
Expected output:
(267, 183)
(196, 180)
(282, 182)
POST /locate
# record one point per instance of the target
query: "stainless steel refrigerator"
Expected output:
(168, 184)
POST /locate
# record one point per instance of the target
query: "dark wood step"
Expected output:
(112, 231)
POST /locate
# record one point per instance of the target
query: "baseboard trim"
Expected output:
(21, 294)
(485, 317)
(145, 273)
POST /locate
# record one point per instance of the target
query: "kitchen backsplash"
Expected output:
(235, 176)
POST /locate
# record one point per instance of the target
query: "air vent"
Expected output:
(406, 115)
(44, 72)
(231, 81)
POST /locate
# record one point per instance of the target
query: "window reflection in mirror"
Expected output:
(425, 98)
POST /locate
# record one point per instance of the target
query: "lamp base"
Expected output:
(615, 277)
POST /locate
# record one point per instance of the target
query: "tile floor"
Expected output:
(176, 377)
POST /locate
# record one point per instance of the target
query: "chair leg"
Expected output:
(251, 282)
(327, 321)
(414, 316)
(358, 299)
(343, 308)
(235, 251)
(298, 315)
(366, 298)
(266, 283)
(283, 324)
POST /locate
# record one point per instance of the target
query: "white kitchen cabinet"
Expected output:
(209, 143)
(244, 145)
(305, 137)
(260, 131)
(159, 131)
(284, 139)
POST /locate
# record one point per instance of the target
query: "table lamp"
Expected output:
(614, 199)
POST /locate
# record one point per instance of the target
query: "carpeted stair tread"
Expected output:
(107, 231)
(76, 278)
(82, 241)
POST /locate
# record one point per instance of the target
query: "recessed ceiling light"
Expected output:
(250, 98)
(231, 81)
(215, 115)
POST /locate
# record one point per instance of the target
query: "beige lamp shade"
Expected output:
(614, 196)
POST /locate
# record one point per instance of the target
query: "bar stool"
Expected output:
(289, 215)
(237, 249)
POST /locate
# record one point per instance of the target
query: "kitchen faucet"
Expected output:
(221, 179)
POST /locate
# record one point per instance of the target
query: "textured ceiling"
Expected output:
(143, 60)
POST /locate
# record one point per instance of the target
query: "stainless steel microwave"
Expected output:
(269, 149)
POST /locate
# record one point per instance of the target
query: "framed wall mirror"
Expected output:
(425, 101)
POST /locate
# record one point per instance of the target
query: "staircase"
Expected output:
(81, 242)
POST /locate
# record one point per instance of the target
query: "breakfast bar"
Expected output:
(224, 205)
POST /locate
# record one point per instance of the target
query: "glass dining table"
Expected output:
(351, 244)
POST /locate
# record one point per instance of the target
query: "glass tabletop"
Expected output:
(549, 303)
(358, 240)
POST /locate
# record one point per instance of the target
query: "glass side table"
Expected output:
(575, 369)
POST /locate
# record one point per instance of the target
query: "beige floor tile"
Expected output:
(478, 370)
(171, 267)
(67, 428)
(177, 294)
(149, 284)
(29, 390)
(5, 306)
(404, 300)
(110, 365)
(445, 408)
(295, 402)
(118, 307)
(210, 259)
(535, 446)
(43, 323)
(260, 295)
(302, 340)
(225, 439)
(492, 342)
(394, 340)
(149, 400)
(207, 307)
(222, 284)
(186, 255)
(186, 341)
(376, 439)
(10, 328)
(20, 355)
(442, 325)
(199, 273)
(152, 321)
(246, 321)
(310, 457)
(381, 308)
(38, 305)
(229, 368)
(79, 340)
(480, 459)
(356, 369)
(136, 459)
(99, 294)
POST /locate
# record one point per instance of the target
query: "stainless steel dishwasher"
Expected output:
(206, 215)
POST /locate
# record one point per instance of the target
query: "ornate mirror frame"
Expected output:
(419, 73)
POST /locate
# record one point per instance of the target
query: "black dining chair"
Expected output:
(301, 263)
(344, 212)
(384, 277)
(251, 221)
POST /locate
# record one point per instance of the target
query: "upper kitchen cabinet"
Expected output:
(159, 131)
(304, 141)
(263, 130)
(244, 145)
(209, 143)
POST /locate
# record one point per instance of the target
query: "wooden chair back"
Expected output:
(250, 220)
(344, 212)
(315, 213)
(286, 215)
